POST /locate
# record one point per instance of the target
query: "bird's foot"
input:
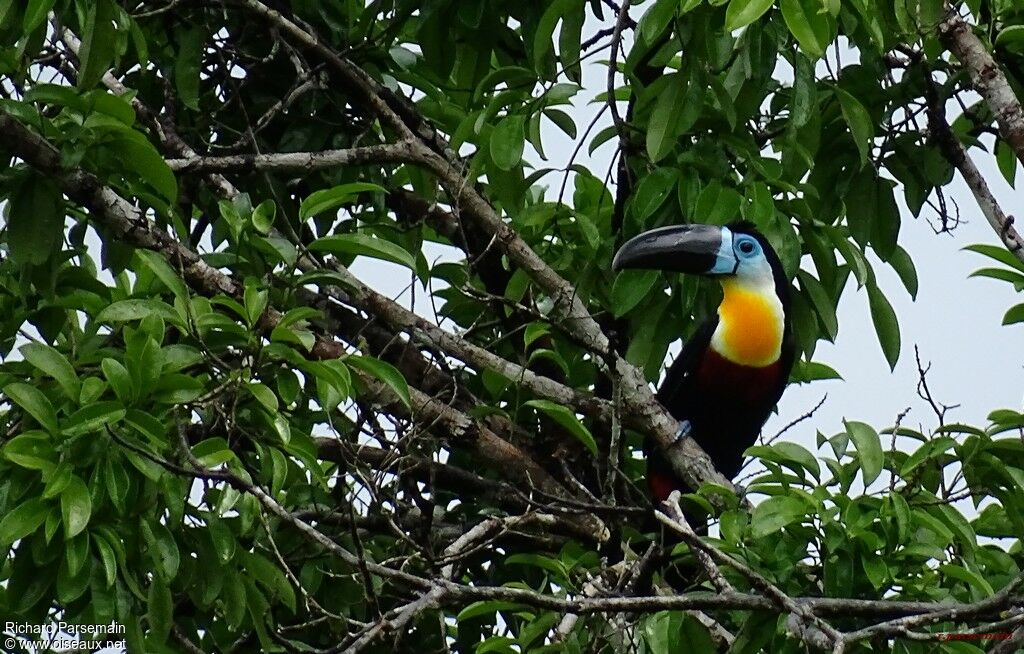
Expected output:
(683, 432)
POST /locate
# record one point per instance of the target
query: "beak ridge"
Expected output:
(694, 249)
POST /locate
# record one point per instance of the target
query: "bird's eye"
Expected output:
(747, 246)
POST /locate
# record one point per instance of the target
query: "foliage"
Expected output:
(174, 423)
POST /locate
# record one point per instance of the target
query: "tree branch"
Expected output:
(811, 628)
(642, 410)
(986, 76)
(957, 155)
(128, 222)
(399, 152)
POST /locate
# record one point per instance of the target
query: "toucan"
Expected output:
(731, 373)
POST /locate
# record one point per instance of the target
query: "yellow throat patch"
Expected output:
(750, 324)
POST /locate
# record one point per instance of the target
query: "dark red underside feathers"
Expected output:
(727, 404)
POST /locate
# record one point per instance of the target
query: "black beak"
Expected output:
(680, 248)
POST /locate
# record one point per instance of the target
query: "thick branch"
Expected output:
(957, 155)
(400, 152)
(127, 222)
(384, 342)
(688, 460)
(444, 475)
(900, 626)
(456, 594)
(988, 80)
(401, 318)
(812, 629)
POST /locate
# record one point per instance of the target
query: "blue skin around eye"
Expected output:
(755, 250)
(725, 262)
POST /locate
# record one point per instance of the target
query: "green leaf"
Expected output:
(872, 20)
(92, 417)
(188, 62)
(31, 449)
(23, 520)
(223, 540)
(1002, 274)
(998, 253)
(1011, 36)
(630, 288)
(507, 142)
(568, 420)
(656, 19)
(332, 198)
(556, 568)
(142, 159)
(53, 363)
(744, 12)
(872, 214)
(35, 220)
(1006, 158)
(157, 265)
(37, 405)
(875, 570)
(119, 379)
(569, 38)
(35, 14)
(853, 256)
(774, 513)
(804, 90)
(75, 507)
(137, 309)
(213, 452)
(886, 326)
(1014, 315)
(263, 216)
(544, 30)
(272, 578)
(159, 609)
(106, 554)
(385, 372)
(885, 225)
(813, 28)
(971, 578)
(664, 126)
(904, 266)
(563, 120)
(808, 371)
(821, 301)
(857, 117)
(788, 453)
(99, 43)
(255, 300)
(869, 449)
(901, 510)
(162, 549)
(652, 191)
(263, 395)
(485, 608)
(368, 246)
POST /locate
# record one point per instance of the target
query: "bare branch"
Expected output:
(986, 76)
(400, 152)
(955, 153)
(992, 84)
(902, 626)
(128, 222)
(641, 408)
(812, 629)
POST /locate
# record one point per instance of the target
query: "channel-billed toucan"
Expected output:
(731, 373)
